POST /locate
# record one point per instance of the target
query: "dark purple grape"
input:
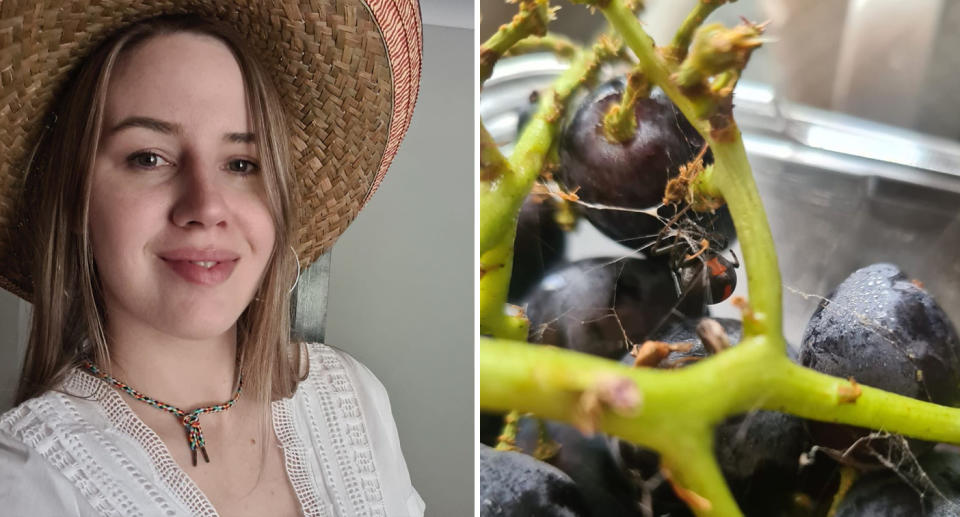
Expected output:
(539, 246)
(881, 494)
(515, 484)
(633, 174)
(885, 331)
(943, 470)
(587, 460)
(908, 493)
(758, 452)
(590, 304)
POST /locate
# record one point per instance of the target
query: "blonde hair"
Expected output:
(67, 301)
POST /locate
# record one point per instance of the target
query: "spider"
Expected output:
(694, 254)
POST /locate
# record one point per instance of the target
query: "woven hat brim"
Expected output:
(348, 74)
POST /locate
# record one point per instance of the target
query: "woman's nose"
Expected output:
(199, 199)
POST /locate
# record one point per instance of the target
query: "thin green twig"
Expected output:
(557, 44)
(681, 40)
(531, 19)
(500, 200)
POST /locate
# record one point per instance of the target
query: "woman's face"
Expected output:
(176, 189)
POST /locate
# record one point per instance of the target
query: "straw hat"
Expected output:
(348, 73)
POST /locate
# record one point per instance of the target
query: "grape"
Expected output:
(578, 305)
(632, 174)
(881, 493)
(943, 470)
(759, 454)
(588, 462)
(889, 494)
(887, 332)
(515, 484)
(539, 245)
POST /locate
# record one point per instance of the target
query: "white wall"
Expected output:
(11, 347)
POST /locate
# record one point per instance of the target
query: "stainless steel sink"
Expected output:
(840, 192)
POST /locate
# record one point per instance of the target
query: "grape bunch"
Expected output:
(878, 327)
(651, 160)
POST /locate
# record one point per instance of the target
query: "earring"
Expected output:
(298, 270)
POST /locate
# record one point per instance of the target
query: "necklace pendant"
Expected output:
(203, 450)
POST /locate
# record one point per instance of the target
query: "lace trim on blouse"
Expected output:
(298, 466)
(351, 449)
(52, 425)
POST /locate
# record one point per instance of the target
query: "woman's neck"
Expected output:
(182, 372)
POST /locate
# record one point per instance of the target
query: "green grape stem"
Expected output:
(493, 165)
(531, 20)
(620, 122)
(718, 52)
(557, 44)
(507, 441)
(678, 408)
(681, 40)
(501, 197)
(731, 175)
(848, 475)
(504, 186)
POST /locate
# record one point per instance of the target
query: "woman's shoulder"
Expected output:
(38, 442)
(30, 485)
(358, 410)
(51, 412)
(326, 361)
(31, 421)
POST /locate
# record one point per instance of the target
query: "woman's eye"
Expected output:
(243, 167)
(146, 160)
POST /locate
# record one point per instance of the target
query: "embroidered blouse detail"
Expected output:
(121, 467)
(350, 448)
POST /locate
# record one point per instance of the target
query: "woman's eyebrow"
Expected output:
(172, 128)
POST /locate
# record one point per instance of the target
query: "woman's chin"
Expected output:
(197, 323)
(199, 329)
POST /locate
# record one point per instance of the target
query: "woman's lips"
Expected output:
(200, 275)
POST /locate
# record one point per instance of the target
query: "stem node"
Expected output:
(848, 394)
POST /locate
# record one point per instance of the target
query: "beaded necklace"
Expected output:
(190, 419)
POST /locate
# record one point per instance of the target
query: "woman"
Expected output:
(164, 222)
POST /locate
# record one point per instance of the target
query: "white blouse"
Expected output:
(66, 456)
